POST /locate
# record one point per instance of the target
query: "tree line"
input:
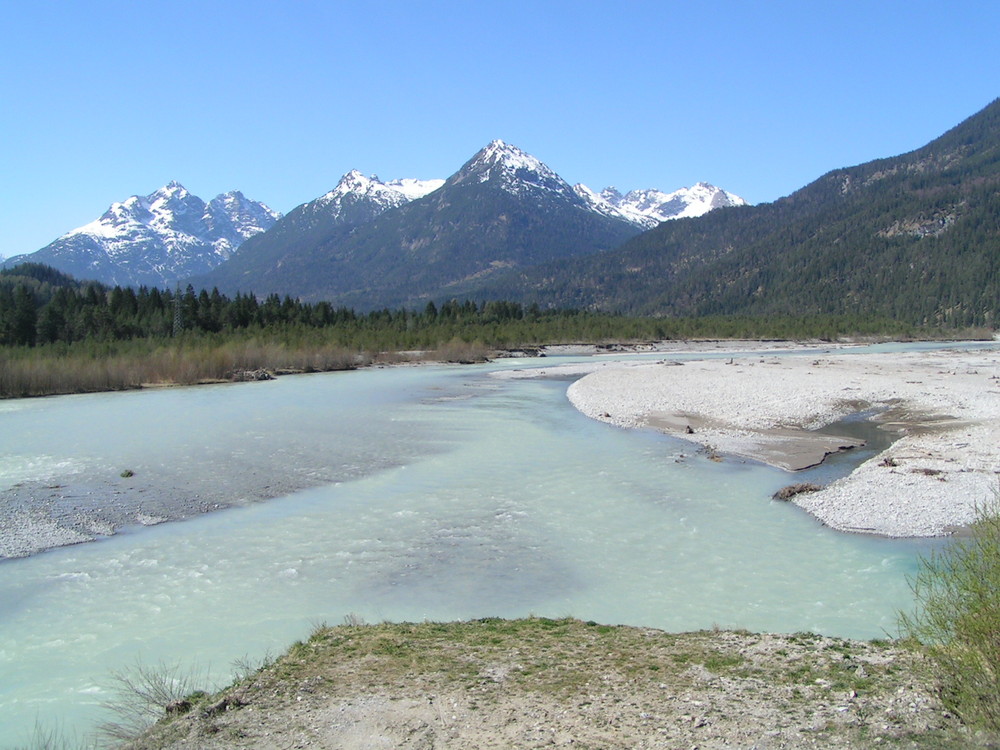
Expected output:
(40, 307)
(59, 335)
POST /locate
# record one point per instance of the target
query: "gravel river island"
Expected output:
(944, 404)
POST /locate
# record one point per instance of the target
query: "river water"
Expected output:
(440, 493)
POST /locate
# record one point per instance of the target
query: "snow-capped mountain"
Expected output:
(521, 173)
(647, 208)
(156, 239)
(327, 220)
(478, 222)
(368, 243)
(515, 171)
(354, 188)
(234, 219)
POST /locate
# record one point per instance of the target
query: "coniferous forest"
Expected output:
(60, 335)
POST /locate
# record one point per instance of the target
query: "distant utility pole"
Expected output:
(178, 322)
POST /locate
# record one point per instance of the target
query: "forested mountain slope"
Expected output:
(502, 209)
(914, 237)
(283, 260)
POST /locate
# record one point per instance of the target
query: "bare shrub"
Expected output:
(461, 352)
(246, 667)
(143, 694)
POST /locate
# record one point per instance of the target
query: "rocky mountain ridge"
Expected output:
(156, 239)
(369, 243)
(171, 235)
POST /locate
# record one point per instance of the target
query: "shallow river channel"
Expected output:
(432, 493)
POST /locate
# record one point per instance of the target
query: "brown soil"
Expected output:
(538, 683)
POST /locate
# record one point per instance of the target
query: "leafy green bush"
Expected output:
(957, 619)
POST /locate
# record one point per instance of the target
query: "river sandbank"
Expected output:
(944, 404)
(40, 515)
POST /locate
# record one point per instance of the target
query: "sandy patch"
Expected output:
(944, 403)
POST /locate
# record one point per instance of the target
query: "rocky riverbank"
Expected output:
(540, 683)
(944, 404)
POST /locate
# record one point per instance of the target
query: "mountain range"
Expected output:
(647, 208)
(914, 237)
(157, 239)
(364, 245)
(320, 251)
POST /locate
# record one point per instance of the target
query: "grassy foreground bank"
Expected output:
(538, 682)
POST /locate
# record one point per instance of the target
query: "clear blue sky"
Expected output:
(103, 100)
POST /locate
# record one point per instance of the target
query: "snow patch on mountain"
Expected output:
(413, 188)
(354, 188)
(647, 208)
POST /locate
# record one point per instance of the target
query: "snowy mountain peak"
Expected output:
(232, 198)
(237, 219)
(599, 203)
(234, 202)
(514, 171)
(158, 238)
(647, 208)
(611, 194)
(503, 158)
(498, 151)
(355, 186)
(172, 191)
(352, 182)
(520, 173)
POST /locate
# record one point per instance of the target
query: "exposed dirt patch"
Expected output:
(536, 683)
